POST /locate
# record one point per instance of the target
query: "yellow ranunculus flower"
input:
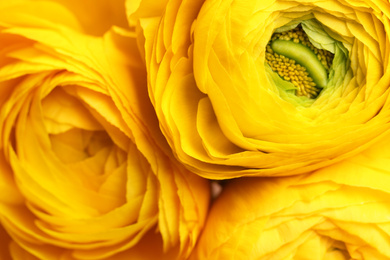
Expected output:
(85, 172)
(338, 212)
(226, 109)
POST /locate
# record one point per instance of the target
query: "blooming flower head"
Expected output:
(338, 212)
(267, 88)
(85, 174)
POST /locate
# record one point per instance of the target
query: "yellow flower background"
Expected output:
(139, 129)
(82, 176)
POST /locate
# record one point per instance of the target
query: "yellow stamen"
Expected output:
(295, 73)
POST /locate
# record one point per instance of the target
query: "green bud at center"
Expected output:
(295, 59)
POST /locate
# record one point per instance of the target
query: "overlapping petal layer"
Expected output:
(84, 175)
(222, 113)
(338, 212)
(5, 241)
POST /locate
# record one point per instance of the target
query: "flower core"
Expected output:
(297, 60)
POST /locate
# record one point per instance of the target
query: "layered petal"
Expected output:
(338, 212)
(5, 243)
(86, 173)
(221, 109)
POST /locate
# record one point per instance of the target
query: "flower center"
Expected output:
(295, 59)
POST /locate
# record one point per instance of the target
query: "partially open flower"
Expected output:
(339, 212)
(85, 172)
(267, 88)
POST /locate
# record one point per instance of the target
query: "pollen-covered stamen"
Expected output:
(310, 76)
(289, 70)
